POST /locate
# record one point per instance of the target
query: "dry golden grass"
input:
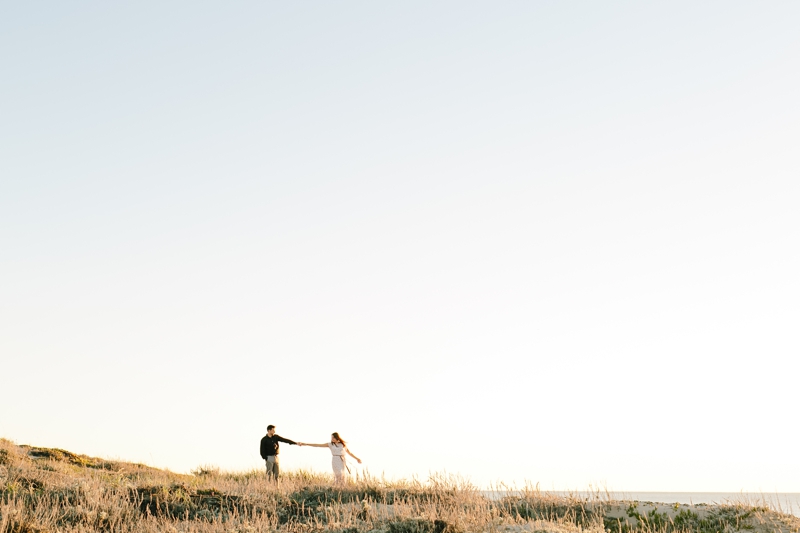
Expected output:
(54, 490)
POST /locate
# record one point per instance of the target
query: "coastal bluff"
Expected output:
(54, 490)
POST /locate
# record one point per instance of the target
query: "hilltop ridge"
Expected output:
(50, 489)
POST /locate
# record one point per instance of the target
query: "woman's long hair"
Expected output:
(335, 435)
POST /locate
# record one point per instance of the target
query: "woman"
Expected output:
(338, 447)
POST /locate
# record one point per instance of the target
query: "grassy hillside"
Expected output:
(43, 489)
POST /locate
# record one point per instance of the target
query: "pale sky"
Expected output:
(545, 242)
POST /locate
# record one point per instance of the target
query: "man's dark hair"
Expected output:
(270, 427)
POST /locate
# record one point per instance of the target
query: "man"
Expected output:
(269, 451)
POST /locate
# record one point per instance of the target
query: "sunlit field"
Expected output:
(54, 490)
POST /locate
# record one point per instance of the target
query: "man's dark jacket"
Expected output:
(269, 445)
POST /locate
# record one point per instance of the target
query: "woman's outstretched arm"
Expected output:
(353, 456)
(325, 445)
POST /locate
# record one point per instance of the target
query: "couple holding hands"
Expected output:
(271, 442)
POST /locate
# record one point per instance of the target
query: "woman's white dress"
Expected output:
(338, 461)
